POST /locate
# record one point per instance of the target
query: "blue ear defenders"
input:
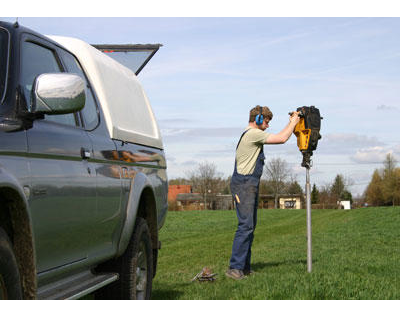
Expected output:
(259, 117)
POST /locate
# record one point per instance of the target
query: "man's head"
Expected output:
(266, 116)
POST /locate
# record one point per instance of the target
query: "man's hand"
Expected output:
(284, 134)
(294, 117)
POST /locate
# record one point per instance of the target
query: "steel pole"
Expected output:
(308, 197)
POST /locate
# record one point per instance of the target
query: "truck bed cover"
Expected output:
(127, 111)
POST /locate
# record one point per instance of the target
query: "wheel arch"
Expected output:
(15, 220)
(141, 203)
(148, 210)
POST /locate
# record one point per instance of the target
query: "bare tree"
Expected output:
(276, 172)
(205, 179)
(389, 163)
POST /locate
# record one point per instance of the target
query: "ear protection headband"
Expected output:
(259, 117)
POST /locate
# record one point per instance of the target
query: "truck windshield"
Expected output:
(3, 61)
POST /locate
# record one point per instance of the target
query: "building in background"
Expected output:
(175, 189)
(181, 198)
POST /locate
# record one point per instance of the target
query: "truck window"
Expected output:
(36, 60)
(133, 56)
(90, 111)
(3, 60)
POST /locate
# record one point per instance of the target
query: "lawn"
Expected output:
(356, 255)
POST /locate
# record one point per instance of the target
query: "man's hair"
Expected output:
(266, 112)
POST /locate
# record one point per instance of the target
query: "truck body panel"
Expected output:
(84, 176)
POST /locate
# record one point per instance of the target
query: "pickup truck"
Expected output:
(83, 182)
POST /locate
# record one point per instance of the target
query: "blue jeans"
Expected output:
(246, 210)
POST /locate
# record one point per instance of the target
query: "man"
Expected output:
(245, 182)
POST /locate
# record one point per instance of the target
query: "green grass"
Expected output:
(356, 255)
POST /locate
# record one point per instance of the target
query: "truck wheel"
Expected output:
(135, 268)
(10, 285)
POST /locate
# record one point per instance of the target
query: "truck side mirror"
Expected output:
(58, 93)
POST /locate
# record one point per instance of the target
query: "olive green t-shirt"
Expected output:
(249, 149)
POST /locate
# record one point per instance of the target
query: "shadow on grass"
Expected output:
(168, 294)
(261, 265)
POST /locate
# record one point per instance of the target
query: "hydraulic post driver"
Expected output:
(307, 133)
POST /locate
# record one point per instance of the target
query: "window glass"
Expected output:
(132, 60)
(90, 114)
(133, 56)
(3, 60)
(36, 60)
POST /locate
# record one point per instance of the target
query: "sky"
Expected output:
(211, 71)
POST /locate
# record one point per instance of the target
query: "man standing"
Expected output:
(245, 182)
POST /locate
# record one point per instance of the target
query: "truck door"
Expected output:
(107, 222)
(63, 184)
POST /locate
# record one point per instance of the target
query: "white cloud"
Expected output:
(341, 143)
(384, 107)
(371, 154)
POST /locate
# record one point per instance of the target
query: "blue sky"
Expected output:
(211, 71)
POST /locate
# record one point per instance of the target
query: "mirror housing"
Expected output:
(57, 93)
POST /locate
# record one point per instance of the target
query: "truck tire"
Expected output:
(135, 268)
(10, 284)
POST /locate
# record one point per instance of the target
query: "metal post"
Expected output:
(308, 197)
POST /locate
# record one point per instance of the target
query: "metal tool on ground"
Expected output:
(205, 275)
(307, 133)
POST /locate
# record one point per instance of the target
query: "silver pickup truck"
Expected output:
(83, 183)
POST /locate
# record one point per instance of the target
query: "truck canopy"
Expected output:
(127, 111)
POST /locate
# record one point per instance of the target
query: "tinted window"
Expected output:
(90, 113)
(3, 60)
(36, 60)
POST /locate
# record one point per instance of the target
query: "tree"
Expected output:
(178, 181)
(373, 193)
(384, 187)
(205, 179)
(314, 195)
(390, 186)
(294, 188)
(276, 173)
(266, 187)
(339, 191)
(337, 187)
(325, 196)
(396, 195)
(389, 163)
(346, 196)
(226, 187)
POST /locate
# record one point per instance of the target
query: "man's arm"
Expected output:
(284, 134)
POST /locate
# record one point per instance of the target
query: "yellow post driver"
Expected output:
(307, 133)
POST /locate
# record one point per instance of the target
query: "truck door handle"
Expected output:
(85, 153)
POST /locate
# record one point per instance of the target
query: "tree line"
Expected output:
(277, 179)
(382, 190)
(384, 187)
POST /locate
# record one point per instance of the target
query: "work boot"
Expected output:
(248, 272)
(235, 274)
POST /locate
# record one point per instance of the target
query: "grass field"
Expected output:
(356, 255)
